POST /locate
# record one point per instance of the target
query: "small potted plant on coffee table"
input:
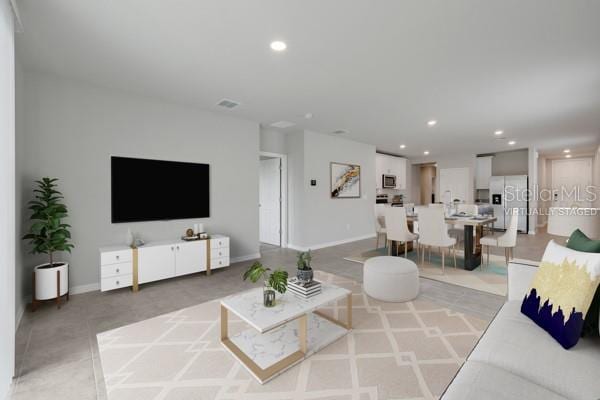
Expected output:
(275, 281)
(305, 272)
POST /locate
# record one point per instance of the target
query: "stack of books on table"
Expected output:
(304, 290)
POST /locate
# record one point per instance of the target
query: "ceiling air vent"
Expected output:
(227, 103)
(282, 124)
(339, 132)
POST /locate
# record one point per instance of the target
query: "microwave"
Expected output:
(389, 181)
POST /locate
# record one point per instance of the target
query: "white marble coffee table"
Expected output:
(276, 342)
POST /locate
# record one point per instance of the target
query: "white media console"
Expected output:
(122, 266)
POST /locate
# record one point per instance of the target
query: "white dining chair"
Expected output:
(507, 240)
(380, 228)
(397, 229)
(433, 232)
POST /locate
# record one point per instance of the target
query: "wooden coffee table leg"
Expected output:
(349, 312)
(303, 333)
(224, 323)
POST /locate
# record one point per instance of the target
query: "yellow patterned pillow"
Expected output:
(561, 292)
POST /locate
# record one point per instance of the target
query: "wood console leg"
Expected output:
(58, 289)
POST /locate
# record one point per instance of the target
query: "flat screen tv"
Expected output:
(151, 190)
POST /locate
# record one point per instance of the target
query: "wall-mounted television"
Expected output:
(152, 190)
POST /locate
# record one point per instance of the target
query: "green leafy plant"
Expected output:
(276, 279)
(304, 259)
(47, 233)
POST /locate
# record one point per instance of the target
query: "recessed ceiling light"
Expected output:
(308, 115)
(498, 133)
(566, 151)
(340, 132)
(512, 143)
(432, 122)
(278, 45)
(402, 146)
(426, 152)
(568, 156)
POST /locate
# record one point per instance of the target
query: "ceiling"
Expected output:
(379, 70)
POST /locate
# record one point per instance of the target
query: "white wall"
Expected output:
(7, 198)
(273, 141)
(71, 130)
(510, 163)
(318, 219)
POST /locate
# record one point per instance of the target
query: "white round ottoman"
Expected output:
(393, 279)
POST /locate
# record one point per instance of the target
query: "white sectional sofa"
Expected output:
(516, 359)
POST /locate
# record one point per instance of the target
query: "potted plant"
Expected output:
(305, 272)
(48, 235)
(275, 281)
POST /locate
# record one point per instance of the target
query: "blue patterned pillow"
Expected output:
(561, 292)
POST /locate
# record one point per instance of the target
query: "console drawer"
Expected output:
(219, 242)
(219, 262)
(120, 269)
(219, 252)
(116, 257)
(116, 282)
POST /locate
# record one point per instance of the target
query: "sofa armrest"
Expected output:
(520, 275)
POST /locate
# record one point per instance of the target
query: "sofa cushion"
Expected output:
(580, 242)
(562, 291)
(514, 343)
(480, 381)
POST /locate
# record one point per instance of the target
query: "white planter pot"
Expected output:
(46, 281)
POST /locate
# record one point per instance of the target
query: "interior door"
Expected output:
(190, 257)
(270, 201)
(156, 263)
(570, 179)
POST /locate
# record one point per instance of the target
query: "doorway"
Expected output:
(272, 207)
(570, 180)
(428, 183)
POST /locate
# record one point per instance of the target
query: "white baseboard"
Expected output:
(20, 312)
(248, 257)
(329, 244)
(84, 288)
(96, 286)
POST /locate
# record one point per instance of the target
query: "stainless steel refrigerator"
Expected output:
(506, 193)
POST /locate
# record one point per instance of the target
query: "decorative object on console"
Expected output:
(275, 281)
(561, 292)
(345, 181)
(580, 242)
(305, 272)
(129, 240)
(48, 235)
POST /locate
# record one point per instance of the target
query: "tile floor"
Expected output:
(57, 351)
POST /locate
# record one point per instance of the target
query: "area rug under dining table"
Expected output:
(490, 278)
(395, 351)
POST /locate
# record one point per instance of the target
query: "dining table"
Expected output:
(472, 243)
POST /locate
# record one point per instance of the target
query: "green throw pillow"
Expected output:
(580, 242)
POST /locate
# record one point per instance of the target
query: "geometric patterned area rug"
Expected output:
(395, 351)
(490, 278)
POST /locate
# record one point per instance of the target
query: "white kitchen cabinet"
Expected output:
(483, 172)
(390, 165)
(190, 258)
(156, 262)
